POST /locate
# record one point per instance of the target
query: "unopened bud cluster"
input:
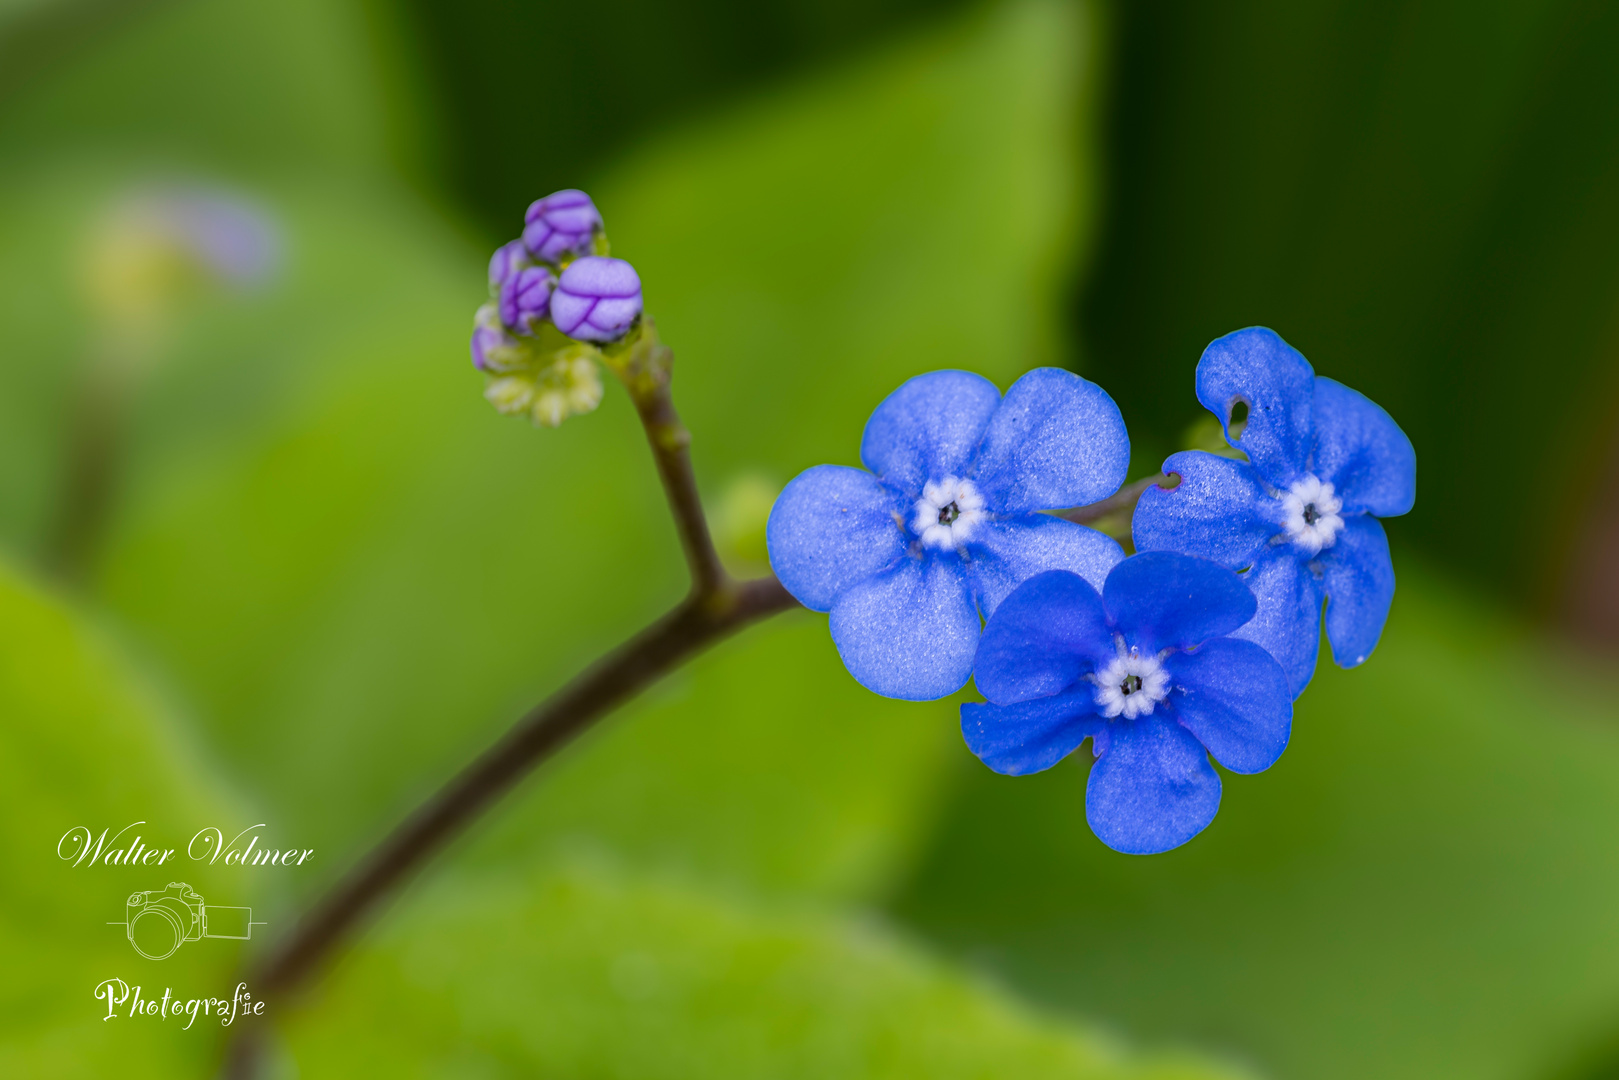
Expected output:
(555, 297)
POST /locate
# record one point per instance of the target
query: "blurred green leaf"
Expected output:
(663, 61)
(592, 972)
(357, 574)
(364, 574)
(84, 743)
(1419, 197)
(268, 86)
(762, 764)
(810, 250)
(1423, 886)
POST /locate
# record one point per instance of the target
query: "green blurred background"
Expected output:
(328, 573)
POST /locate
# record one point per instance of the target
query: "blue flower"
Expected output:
(1146, 671)
(1299, 518)
(948, 521)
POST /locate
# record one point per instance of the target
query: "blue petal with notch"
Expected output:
(1256, 366)
(1220, 510)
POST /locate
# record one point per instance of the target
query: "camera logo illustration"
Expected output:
(158, 921)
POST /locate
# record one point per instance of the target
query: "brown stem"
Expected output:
(645, 366)
(716, 607)
(97, 417)
(1120, 503)
(94, 433)
(696, 623)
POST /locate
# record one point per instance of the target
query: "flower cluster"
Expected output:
(948, 557)
(940, 561)
(555, 298)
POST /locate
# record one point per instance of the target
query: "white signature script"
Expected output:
(81, 847)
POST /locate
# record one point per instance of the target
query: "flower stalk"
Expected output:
(716, 607)
(645, 366)
(1113, 514)
(1156, 659)
(95, 429)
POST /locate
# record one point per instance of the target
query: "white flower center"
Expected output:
(946, 514)
(1130, 685)
(1311, 510)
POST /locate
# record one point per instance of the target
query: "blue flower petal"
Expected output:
(929, 428)
(831, 527)
(1235, 699)
(1362, 452)
(1258, 367)
(1152, 787)
(1020, 739)
(1216, 512)
(1004, 554)
(1359, 579)
(909, 632)
(1056, 441)
(1162, 600)
(1288, 622)
(1047, 635)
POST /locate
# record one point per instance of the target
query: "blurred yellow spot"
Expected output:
(153, 248)
(136, 270)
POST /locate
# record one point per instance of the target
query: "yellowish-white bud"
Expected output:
(510, 394)
(569, 386)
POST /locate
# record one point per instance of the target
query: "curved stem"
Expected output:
(645, 366)
(716, 607)
(686, 630)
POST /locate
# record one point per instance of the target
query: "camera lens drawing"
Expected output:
(158, 921)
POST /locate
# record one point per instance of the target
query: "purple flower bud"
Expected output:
(562, 223)
(597, 299)
(525, 297)
(506, 263)
(492, 344)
